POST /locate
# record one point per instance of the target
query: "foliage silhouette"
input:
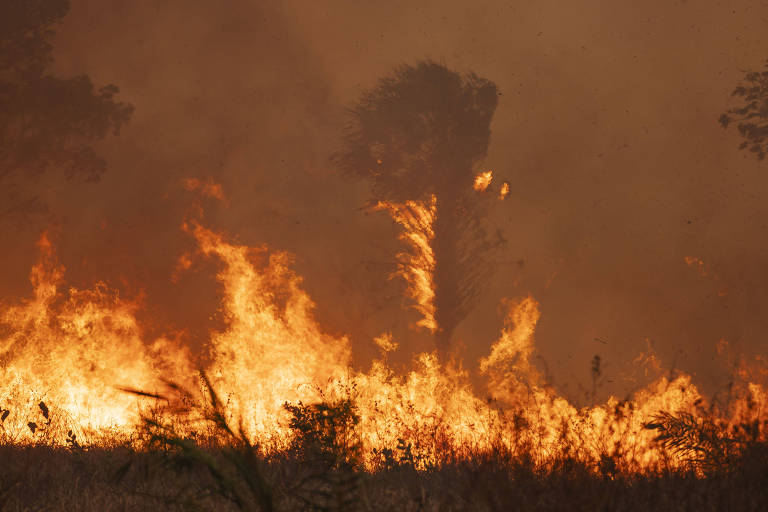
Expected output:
(751, 117)
(47, 122)
(420, 132)
(234, 467)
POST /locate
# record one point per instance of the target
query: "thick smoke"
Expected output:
(606, 129)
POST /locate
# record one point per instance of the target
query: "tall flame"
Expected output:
(69, 350)
(64, 352)
(416, 264)
(272, 350)
(504, 192)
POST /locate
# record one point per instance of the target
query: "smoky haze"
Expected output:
(606, 129)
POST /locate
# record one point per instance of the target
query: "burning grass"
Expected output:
(278, 419)
(218, 468)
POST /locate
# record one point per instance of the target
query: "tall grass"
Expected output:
(191, 455)
(323, 467)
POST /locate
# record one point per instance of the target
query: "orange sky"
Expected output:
(606, 129)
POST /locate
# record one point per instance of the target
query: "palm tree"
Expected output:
(419, 133)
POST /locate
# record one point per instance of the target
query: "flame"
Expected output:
(648, 360)
(272, 351)
(205, 187)
(70, 350)
(504, 192)
(385, 343)
(697, 263)
(65, 351)
(508, 364)
(416, 264)
(704, 270)
(483, 181)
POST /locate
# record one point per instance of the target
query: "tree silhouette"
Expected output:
(420, 132)
(752, 116)
(47, 122)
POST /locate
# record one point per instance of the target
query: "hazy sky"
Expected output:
(606, 129)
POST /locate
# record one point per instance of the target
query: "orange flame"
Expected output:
(416, 265)
(63, 354)
(483, 181)
(697, 263)
(207, 187)
(272, 351)
(504, 192)
(69, 351)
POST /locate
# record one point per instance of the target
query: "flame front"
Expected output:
(272, 351)
(65, 353)
(70, 350)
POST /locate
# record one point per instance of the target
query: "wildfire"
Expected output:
(704, 270)
(70, 350)
(504, 192)
(416, 264)
(483, 181)
(66, 352)
(205, 187)
(697, 263)
(272, 350)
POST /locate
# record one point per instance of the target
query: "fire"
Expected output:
(648, 360)
(704, 270)
(416, 264)
(385, 343)
(483, 181)
(697, 263)
(205, 187)
(272, 351)
(66, 353)
(504, 192)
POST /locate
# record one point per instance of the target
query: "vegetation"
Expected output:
(188, 456)
(46, 122)
(751, 117)
(420, 132)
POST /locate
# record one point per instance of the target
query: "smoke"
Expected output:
(606, 130)
(418, 136)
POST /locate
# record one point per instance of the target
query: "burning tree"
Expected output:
(417, 137)
(752, 116)
(46, 121)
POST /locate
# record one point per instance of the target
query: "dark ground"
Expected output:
(44, 478)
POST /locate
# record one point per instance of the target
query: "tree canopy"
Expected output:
(419, 131)
(751, 117)
(48, 122)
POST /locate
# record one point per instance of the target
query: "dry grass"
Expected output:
(322, 471)
(45, 478)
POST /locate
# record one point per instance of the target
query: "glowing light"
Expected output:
(483, 180)
(416, 264)
(64, 353)
(207, 187)
(504, 192)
